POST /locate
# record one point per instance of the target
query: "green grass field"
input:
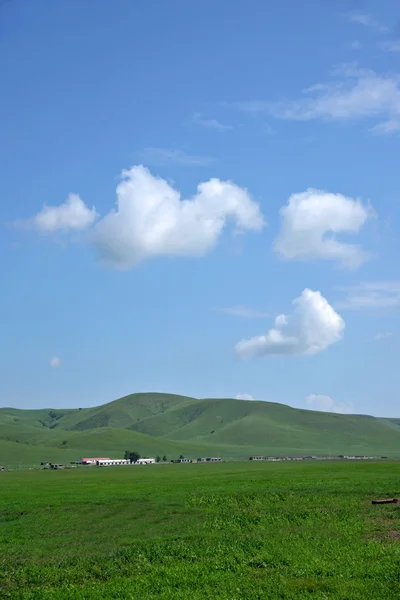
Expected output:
(172, 425)
(230, 531)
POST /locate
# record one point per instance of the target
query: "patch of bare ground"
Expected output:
(383, 522)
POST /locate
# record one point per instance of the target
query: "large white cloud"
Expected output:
(327, 404)
(72, 215)
(310, 329)
(310, 222)
(151, 219)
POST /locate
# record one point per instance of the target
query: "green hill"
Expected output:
(169, 424)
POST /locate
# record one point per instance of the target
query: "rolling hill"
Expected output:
(168, 424)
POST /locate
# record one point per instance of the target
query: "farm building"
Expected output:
(182, 460)
(214, 459)
(93, 461)
(107, 462)
(257, 458)
(145, 461)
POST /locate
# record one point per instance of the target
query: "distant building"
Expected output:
(107, 462)
(257, 458)
(145, 461)
(93, 461)
(182, 460)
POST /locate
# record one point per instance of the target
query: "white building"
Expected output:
(145, 461)
(108, 462)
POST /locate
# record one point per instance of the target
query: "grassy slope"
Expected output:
(171, 425)
(205, 532)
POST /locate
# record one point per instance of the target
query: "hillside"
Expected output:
(169, 424)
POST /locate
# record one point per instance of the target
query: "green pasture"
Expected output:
(229, 531)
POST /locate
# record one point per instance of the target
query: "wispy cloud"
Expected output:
(356, 45)
(367, 20)
(391, 46)
(322, 402)
(170, 156)
(352, 93)
(210, 123)
(373, 295)
(244, 312)
(384, 335)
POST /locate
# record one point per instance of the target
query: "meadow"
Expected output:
(229, 531)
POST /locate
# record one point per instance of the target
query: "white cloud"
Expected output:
(54, 362)
(72, 215)
(210, 123)
(384, 335)
(371, 295)
(151, 219)
(356, 45)
(311, 328)
(244, 397)
(367, 20)
(244, 312)
(391, 46)
(169, 156)
(310, 222)
(354, 93)
(327, 404)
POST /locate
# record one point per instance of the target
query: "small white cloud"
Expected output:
(152, 220)
(70, 216)
(327, 404)
(367, 20)
(391, 46)
(356, 45)
(54, 362)
(244, 312)
(169, 156)
(311, 328)
(244, 397)
(210, 123)
(384, 335)
(371, 296)
(310, 222)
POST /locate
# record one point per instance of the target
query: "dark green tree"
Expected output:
(158, 458)
(165, 459)
(181, 456)
(131, 456)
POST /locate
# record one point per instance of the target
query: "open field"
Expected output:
(239, 531)
(172, 425)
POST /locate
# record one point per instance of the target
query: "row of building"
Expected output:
(110, 462)
(340, 457)
(196, 460)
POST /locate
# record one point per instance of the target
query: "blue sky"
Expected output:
(174, 176)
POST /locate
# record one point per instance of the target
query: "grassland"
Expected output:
(233, 531)
(173, 425)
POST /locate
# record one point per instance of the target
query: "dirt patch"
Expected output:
(394, 535)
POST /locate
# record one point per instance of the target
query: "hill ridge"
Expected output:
(172, 423)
